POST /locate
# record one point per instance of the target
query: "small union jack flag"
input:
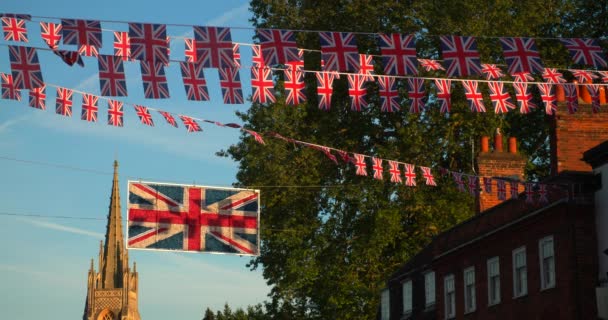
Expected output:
(394, 171)
(69, 57)
(339, 51)
(324, 149)
(398, 54)
(344, 155)
(230, 82)
(377, 166)
(325, 89)
(583, 75)
(551, 75)
(416, 94)
(428, 176)
(88, 50)
(81, 32)
(491, 71)
(168, 117)
(366, 67)
(460, 56)
(122, 45)
(194, 81)
(360, 164)
(9, 91)
(357, 92)
(521, 55)
(585, 51)
(154, 79)
(542, 193)
(256, 136)
(278, 46)
(38, 98)
(473, 181)
(148, 42)
(444, 94)
(294, 83)
(64, 102)
(389, 95)
(112, 80)
(474, 96)
(14, 29)
(487, 185)
(524, 97)
(190, 123)
(529, 192)
(214, 47)
(571, 94)
(256, 58)
(190, 50)
(430, 65)
(236, 52)
(548, 97)
(501, 99)
(522, 76)
(410, 175)
(501, 187)
(25, 67)
(115, 113)
(604, 75)
(595, 96)
(458, 179)
(89, 107)
(144, 115)
(514, 189)
(50, 33)
(262, 86)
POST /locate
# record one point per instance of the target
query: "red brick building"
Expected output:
(516, 260)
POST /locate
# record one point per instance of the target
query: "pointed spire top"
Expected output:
(113, 251)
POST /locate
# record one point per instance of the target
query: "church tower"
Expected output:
(112, 290)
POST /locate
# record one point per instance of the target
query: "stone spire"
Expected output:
(113, 251)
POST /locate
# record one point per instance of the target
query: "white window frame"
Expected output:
(385, 305)
(544, 282)
(452, 301)
(429, 289)
(469, 306)
(407, 297)
(490, 262)
(524, 288)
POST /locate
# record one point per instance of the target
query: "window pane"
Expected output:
(385, 305)
(407, 296)
(429, 288)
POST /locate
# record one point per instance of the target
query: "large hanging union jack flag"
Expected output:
(339, 51)
(521, 55)
(81, 32)
(585, 51)
(214, 47)
(164, 216)
(460, 56)
(278, 46)
(398, 54)
(25, 67)
(154, 79)
(148, 42)
(112, 76)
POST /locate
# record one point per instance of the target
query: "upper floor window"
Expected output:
(450, 296)
(407, 297)
(547, 262)
(493, 281)
(385, 306)
(429, 288)
(469, 289)
(520, 275)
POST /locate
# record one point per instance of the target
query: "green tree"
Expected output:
(329, 237)
(209, 315)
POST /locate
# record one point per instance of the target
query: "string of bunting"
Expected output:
(277, 51)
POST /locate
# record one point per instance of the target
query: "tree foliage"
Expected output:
(330, 238)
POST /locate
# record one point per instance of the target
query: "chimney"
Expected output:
(497, 164)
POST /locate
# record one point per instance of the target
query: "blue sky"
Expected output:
(44, 261)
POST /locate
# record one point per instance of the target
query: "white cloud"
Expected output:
(60, 227)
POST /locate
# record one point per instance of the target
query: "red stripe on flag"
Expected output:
(232, 242)
(146, 236)
(234, 204)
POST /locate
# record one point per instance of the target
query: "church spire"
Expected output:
(113, 251)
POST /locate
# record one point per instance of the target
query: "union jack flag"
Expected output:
(154, 79)
(294, 83)
(69, 57)
(9, 91)
(398, 54)
(122, 45)
(460, 56)
(144, 115)
(604, 75)
(501, 187)
(366, 67)
(256, 136)
(548, 97)
(325, 89)
(256, 58)
(583, 75)
(115, 113)
(360, 164)
(38, 98)
(377, 166)
(324, 149)
(214, 47)
(514, 189)
(89, 107)
(80, 32)
(571, 94)
(529, 193)
(193, 218)
(522, 76)
(148, 42)
(278, 46)
(64, 102)
(444, 94)
(410, 175)
(236, 52)
(339, 51)
(50, 33)
(357, 91)
(112, 80)
(168, 117)
(389, 95)
(394, 171)
(473, 95)
(521, 55)
(491, 71)
(595, 96)
(416, 94)
(191, 124)
(430, 65)
(542, 193)
(88, 51)
(585, 51)
(551, 75)
(262, 86)
(500, 98)
(343, 154)
(190, 50)
(428, 176)
(487, 185)
(458, 179)
(473, 181)
(230, 82)
(524, 97)
(194, 81)
(14, 29)
(25, 67)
